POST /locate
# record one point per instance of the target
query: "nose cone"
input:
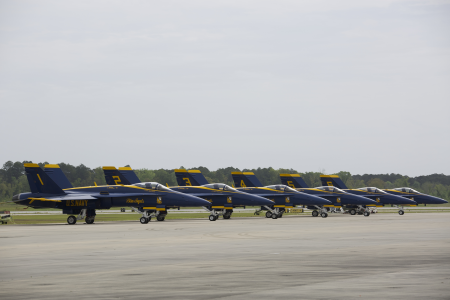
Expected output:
(305, 199)
(248, 199)
(435, 200)
(195, 201)
(358, 200)
(394, 199)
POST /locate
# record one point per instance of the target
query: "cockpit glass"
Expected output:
(406, 190)
(220, 186)
(278, 187)
(152, 186)
(288, 189)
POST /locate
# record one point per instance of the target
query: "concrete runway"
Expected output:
(384, 256)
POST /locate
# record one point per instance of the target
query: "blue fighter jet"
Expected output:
(405, 192)
(352, 203)
(46, 193)
(222, 198)
(380, 196)
(284, 196)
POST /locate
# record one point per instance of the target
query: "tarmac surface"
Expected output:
(384, 256)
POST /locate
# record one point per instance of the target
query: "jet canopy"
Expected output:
(372, 190)
(219, 186)
(152, 186)
(281, 187)
(330, 189)
(406, 190)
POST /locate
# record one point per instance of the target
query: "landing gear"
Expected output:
(72, 220)
(274, 216)
(280, 215)
(160, 217)
(212, 217)
(227, 215)
(324, 215)
(401, 212)
(366, 214)
(144, 220)
(90, 220)
(315, 213)
(353, 211)
(269, 214)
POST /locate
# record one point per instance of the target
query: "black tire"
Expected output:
(212, 218)
(90, 220)
(401, 212)
(226, 216)
(144, 220)
(72, 220)
(315, 213)
(352, 212)
(274, 216)
(324, 215)
(366, 214)
(280, 215)
(268, 214)
(160, 218)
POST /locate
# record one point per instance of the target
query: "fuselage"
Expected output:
(105, 197)
(283, 198)
(381, 197)
(416, 196)
(220, 197)
(337, 196)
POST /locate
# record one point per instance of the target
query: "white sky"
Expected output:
(351, 85)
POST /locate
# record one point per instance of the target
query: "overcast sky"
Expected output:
(351, 85)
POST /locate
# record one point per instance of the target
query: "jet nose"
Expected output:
(315, 200)
(365, 201)
(196, 201)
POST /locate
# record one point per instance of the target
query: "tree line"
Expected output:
(13, 180)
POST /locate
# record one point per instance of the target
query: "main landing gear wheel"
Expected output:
(352, 212)
(268, 214)
(324, 215)
(72, 220)
(144, 220)
(160, 218)
(280, 215)
(227, 216)
(366, 214)
(212, 218)
(401, 212)
(90, 220)
(315, 213)
(274, 216)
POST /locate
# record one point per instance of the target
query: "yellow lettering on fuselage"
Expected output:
(76, 203)
(137, 201)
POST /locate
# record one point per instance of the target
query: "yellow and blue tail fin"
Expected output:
(113, 177)
(58, 176)
(295, 181)
(190, 178)
(129, 174)
(39, 181)
(245, 179)
(333, 180)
